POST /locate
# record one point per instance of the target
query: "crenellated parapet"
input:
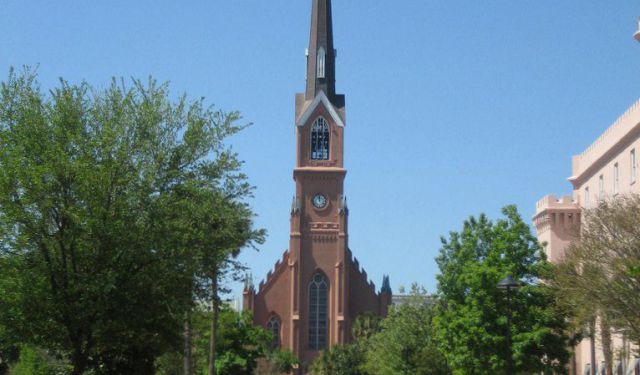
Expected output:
(551, 211)
(272, 275)
(360, 272)
(557, 222)
(626, 127)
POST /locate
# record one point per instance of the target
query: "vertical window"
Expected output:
(586, 197)
(634, 167)
(320, 140)
(601, 188)
(273, 326)
(321, 66)
(616, 179)
(318, 325)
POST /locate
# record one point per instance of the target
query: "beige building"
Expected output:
(607, 168)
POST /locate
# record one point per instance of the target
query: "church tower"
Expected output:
(317, 289)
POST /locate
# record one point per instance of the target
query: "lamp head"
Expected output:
(508, 283)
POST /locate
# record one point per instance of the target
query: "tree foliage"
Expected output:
(95, 217)
(345, 359)
(471, 319)
(365, 325)
(281, 362)
(406, 343)
(35, 361)
(240, 346)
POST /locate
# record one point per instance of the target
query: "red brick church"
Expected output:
(317, 289)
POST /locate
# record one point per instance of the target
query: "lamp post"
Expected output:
(508, 284)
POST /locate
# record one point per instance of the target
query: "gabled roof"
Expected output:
(311, 107)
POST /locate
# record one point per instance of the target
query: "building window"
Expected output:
(617, 368)
(273, 326)
(320, 140)
(601, 188)
(321, 65)
(318, 325)
(634, 168)
(616, 179)
(586, 197)
(587, 369)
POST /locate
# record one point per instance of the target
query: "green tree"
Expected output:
(9, 351)
(281, 362)
(34, 361)
(93, 265)
(219, 226)
(406, 343)
(240, 345)
(340, 360)
(349, 359)
(365, 325)
(471, 318)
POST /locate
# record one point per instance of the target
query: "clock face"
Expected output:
(319, 201)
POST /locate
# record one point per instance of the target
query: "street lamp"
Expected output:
(509, 284)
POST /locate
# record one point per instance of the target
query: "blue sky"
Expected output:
(453, 107)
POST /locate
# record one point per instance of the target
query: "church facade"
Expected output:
(317, 289)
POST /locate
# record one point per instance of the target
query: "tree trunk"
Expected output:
(187, 368)
(214, 323)
(607, 350)
(79, 365)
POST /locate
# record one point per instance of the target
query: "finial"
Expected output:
(386, 285)
(248, 282)
(295, 205)
(344, 208)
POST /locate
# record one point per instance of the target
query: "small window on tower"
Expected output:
(321, 66)
(320, 140)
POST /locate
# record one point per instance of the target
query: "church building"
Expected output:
(317, 289)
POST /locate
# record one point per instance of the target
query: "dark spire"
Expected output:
(321, 72)
(386, 285)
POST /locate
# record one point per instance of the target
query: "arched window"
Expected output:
(273, 326)
(320, 65)
(318, 324)
(320, 140)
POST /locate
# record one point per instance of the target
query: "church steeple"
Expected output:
(314, 293)
(321, 66)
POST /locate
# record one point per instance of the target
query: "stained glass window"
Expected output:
(273, 326)
(318, 323)
(320, 140)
